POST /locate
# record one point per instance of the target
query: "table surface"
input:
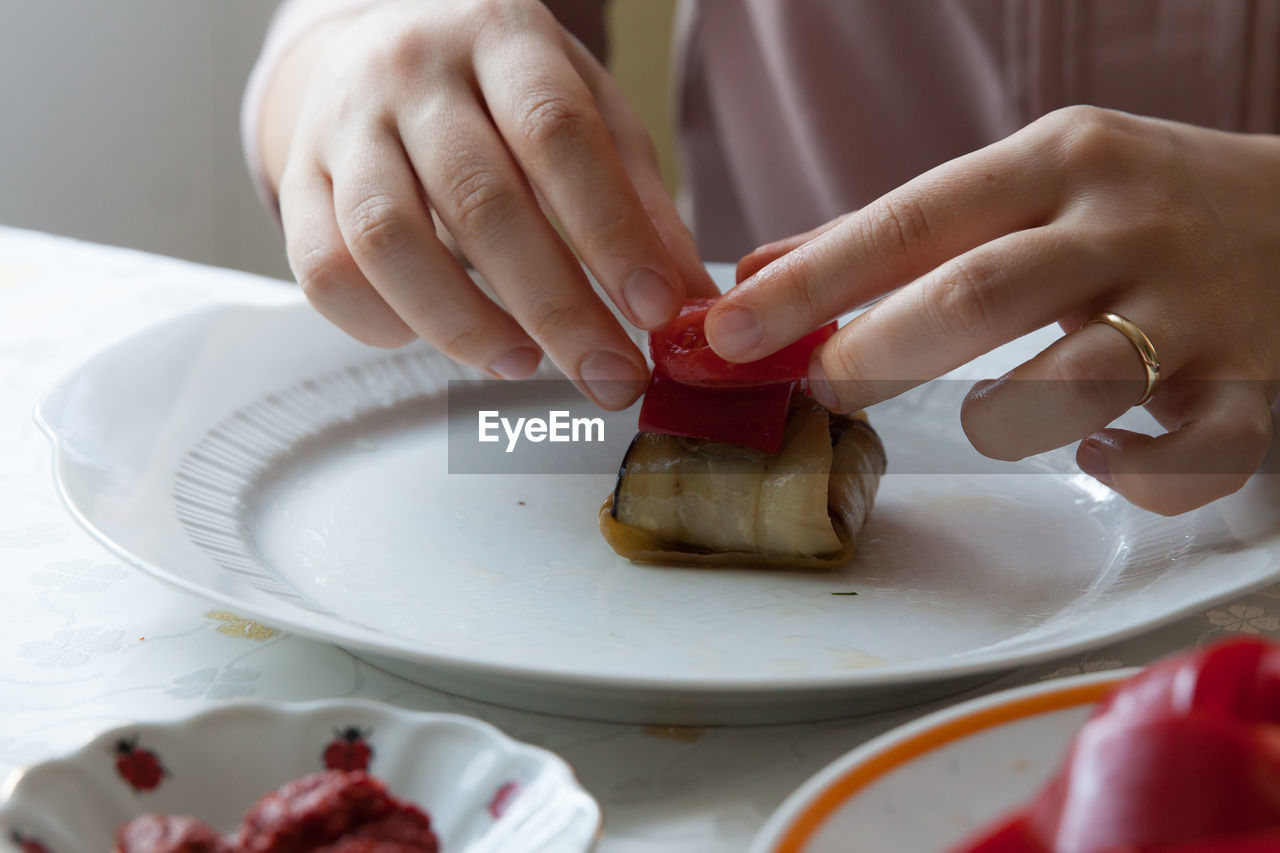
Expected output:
(88, 643)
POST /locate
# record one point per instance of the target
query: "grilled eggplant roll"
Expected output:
(686, 501)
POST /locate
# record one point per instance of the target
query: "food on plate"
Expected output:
(733, 466)
(1182, 758)
(697, 394)
(681, 500)
(333, 811)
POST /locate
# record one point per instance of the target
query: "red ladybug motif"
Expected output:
(502, 799)
(349, 749)
(141, 768)
(26, 844)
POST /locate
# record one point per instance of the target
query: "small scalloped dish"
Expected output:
(483, 791)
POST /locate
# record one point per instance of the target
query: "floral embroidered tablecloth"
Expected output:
(87, 643)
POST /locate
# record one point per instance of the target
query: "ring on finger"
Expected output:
(1141, 343)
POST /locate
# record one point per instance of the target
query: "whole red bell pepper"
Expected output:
(695, 393)
(1183, 758)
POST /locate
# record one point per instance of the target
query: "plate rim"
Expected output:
(279, 712)
(303, 622)
(798, 818)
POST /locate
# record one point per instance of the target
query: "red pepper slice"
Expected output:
(682, 352)
(746, 416)
(1183, 758)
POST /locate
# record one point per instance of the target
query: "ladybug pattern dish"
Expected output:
(349, 749)
(138, 766)
(480, 788)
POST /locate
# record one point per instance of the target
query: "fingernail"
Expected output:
(1094, 462)
(651, 299)
(612, 380)
(820, 386)
(734, 331)
(517, 364)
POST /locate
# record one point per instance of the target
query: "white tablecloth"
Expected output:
(89, 643)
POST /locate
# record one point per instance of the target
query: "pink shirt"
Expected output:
(794, 111)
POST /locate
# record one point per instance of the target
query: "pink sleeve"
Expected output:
(295, 17)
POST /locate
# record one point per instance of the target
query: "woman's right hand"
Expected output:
(410, 121)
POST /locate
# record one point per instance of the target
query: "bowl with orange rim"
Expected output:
(928, 785)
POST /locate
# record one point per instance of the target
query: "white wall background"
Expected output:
(119, 124)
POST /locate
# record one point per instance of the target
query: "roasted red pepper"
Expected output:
(1183, 758)
(748, 417)
(681, 351)
(696, 393)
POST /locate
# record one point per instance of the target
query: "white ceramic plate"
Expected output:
(480, 788)
(257, 456)
(931, 784)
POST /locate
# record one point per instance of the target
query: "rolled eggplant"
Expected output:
(693, 502)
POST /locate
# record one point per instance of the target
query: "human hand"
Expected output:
(1175, 227)
(491, 117)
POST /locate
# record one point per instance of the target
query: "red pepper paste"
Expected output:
(334, 811)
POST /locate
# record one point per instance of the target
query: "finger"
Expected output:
(1074, 388)
(760, 257)
(393, 240)
(904, 234)
(965, 307)
(475, 187)
(549, 120)
(640, 160)
(321, 263)
(1221, 442)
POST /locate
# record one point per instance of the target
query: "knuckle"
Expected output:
(485, 14)
(898, 227)
(322, 271)
(847, 374)
(616, 228)
(1089, 136)
(550, 118)
(479, 200)
(964, 302)
(1075, 373)
(492, 23)
(377, 225)
(408, 51)
(1065, 118)
(799, 286)
(551, 320)
(461, 343)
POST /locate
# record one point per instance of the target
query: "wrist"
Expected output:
(284, 92)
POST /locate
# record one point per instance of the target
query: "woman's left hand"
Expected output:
(1175, 227)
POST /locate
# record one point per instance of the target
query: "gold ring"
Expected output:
(1141, 343)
